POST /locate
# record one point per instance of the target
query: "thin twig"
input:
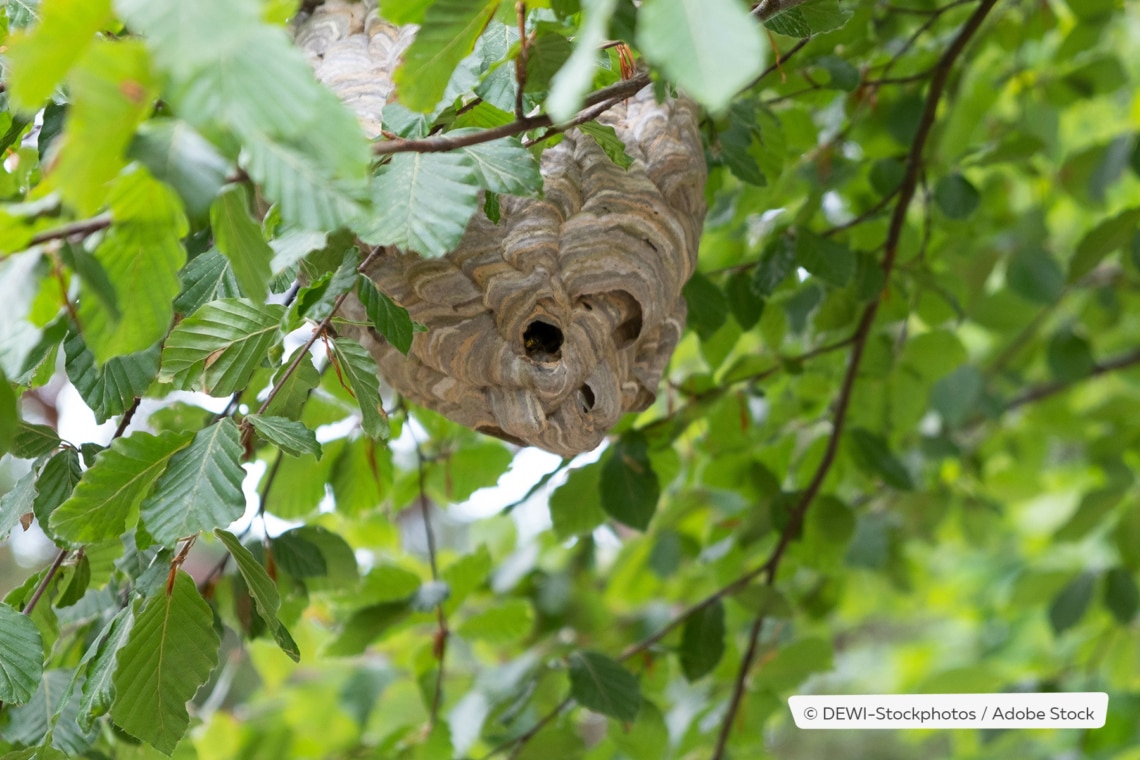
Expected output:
(613, 94)
(442, 632)
(862, 334)
(128, 415)
(537, 486)
(1042, 392)
(879, 206)
(30, 607)
(318, 332)
(81, 228)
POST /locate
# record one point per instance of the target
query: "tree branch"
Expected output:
(81, 228)
(1041, 392)
(862, 334)
(612, 95)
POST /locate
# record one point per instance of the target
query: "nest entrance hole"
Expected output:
(542, 340)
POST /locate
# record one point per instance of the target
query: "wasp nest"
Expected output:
(543, 329)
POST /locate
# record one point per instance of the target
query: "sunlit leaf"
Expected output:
(239, 239)
(688, 40)
(218, 347)
(447, 34)
(422, 202)
(114, 486)
(201, 488)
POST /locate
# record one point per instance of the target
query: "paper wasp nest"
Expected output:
(545, 328)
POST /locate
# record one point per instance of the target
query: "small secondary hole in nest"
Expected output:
(542, 340)
(587, 397)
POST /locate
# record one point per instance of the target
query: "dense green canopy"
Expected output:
(895, 452)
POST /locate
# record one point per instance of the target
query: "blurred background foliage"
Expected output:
(978, 529)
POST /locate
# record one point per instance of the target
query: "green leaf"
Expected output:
(1070, 604)
(795, 662)
(9, 415)
(549, 50)
(386, 315)
(310, 195)
(201, 489)
(503, 623)
(832, 262)
(447, 35)
(1103, 239)
(290, 436)
(359, 370)
(629, 486)
(1070, 356)
(503, 166)
(298, 556)
(708, 305)
(262, 589)
(956, 196)
(872, 455)
(886, 175)
(474, 466)
(110, 389)
(17, 502)
(1091, 511)
(575, 506)
(366, 625)
(169, 653)
(702, 642)
(568, 87)
(604, 686)
(141, 255)
(112, 91)
(218, 347)
(688, 40)
(293, 390)
(93, 278)
(422, 202)
(31, 441)
(405, 11)
(206, 278)
(41, 59)
(99, 688)
(956, 395)
(176, 154)
(49, 719)
(21, 657)
(57, 481)
(842, 75)
(607, 139)
(114, 486)
(1034, 274)
(1121, 596)
(239, 239)
(776, 263)
(746, 306)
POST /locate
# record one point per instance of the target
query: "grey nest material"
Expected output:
(543, 329)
